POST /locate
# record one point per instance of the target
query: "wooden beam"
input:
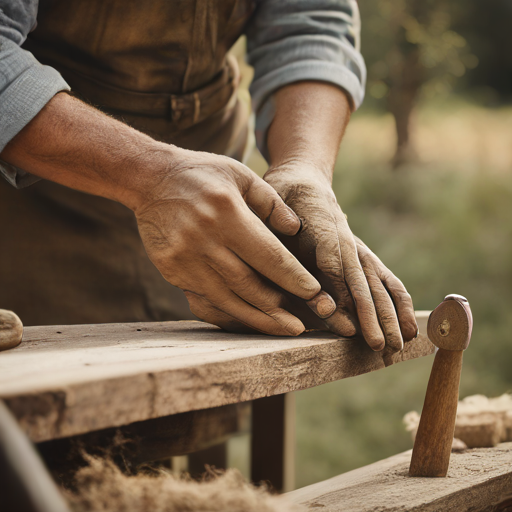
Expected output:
(478, 480)
(273, 441)
(69, 380)
(153, 440)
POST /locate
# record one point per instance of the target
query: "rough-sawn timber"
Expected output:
(478, 480)
(68, 380)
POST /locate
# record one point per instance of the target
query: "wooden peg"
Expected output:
(449, 328)
(11, 330)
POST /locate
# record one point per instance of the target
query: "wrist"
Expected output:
(137, 184)
(300, 170)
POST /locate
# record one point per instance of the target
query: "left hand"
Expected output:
(369, 297)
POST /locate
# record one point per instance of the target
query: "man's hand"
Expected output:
(365, 291)
(303, 142)
(193, 209)
(198, 230)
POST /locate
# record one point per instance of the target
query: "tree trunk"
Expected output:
(406, 77)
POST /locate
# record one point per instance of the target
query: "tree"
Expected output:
(420, 54)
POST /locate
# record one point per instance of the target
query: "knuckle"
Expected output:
(399, 293)
(219, 198)
(406, 297)
(353, 270)
(244, 283)
(332, 267)
(388, 319)
(177, 253)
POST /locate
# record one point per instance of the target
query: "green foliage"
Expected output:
(392, 28)
(441, 229)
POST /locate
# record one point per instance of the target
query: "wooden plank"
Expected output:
(68, 380)
(478, 480)
(154, 439)
(273, 441)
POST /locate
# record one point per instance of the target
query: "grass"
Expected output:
(443, 225)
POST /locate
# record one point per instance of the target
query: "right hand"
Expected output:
(198, 229)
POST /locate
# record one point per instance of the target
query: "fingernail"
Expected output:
(294, 221)
(326, 307)
(378, 348)
(398, 346)
(323, 305)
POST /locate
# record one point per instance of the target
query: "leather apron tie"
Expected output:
(160, 66)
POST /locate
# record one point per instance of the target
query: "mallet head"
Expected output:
(450, 324)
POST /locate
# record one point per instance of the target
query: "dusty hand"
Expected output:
(367, 294)
(199, 230)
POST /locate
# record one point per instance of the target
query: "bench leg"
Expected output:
(273, 441)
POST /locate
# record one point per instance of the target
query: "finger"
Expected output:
(232, 305)
(337, 258)
(365, 307)
(385, 311)
(209, 313)
(252, 288)
(253, 243)
(271, 209)
(401, 298)
(340, 323)
(322, 305)
(403, 304)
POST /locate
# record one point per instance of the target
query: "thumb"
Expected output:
(271, 209)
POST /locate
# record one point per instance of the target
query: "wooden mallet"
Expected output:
(449, 328)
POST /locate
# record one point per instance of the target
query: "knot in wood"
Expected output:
(450, 324)
(444, 328)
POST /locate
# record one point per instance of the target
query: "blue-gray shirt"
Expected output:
(287, 41)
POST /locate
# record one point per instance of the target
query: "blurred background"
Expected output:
(425, 177)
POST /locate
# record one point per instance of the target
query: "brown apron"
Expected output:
(161, 67)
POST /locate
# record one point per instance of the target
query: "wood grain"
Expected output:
(69, 380)
(479, 480)
(449, 328)
(433, 443)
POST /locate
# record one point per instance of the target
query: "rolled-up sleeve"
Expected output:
(303, 40)
(26, 86)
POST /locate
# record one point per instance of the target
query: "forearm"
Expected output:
(308, 126)
(75, 145)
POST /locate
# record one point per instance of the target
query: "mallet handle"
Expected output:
(433, 444)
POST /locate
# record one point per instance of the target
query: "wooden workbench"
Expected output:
(479, 480)
(68, 380)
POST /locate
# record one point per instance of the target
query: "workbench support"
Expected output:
(273, 441)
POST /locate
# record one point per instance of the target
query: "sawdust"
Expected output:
(102, 487)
